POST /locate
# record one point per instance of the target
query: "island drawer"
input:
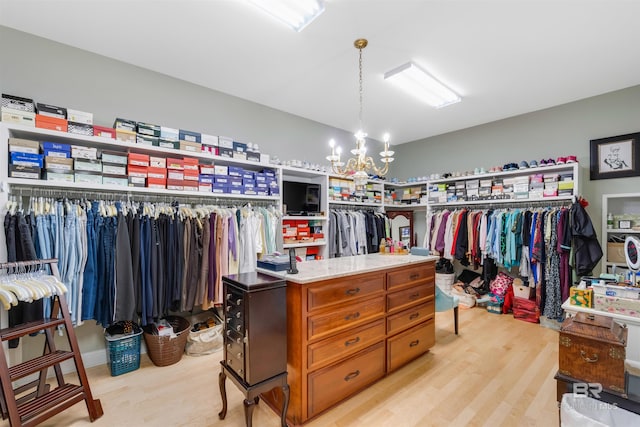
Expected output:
(408, 297)
(410, 317)
(344, 289)
(408, 345)
(345, 317)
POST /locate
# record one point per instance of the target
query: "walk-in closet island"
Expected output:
(350, 322)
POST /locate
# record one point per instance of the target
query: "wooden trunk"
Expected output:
(592, 350)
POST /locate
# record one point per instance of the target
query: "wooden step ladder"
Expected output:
(34, 407)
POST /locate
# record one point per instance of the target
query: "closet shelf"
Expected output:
(35, 365)
(526, 171)
(340, 202)
(28, 328)
(131, 190)
(622, 230)
(18, 131)
(39, 409)
(303, 245)
(503, 201)
(304, 217)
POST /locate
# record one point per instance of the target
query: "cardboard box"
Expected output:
(80, 129)
(137, 181)
(206, 179)
(114, 157)
(175, 184)
(157, 162)
(104, 132)
(168, 143)
(191, 175)
(239, 146)
(217, 187)
(253, 156)
(81, 152)
(26, 159)
(186, 135)
(113, 169)
(169, 134)
(88, 177)
(205, 188)
(235, 171)
(190, 146)
(207, 169)
(190, 186)
(225, 142)
(137, 171)
(222, 179)
(148, 129)
(137, 159)
(115, 180)
(159, 183)
(124, 124)
(237, 155)
(177, 164)
(225, 152)
(81, 117)
(51, 123)
(175, 174)
(28, 172)
(59, 176)
(210, 140)
(19, 117)
(24, 146)
(147, 140)
(581, 297)
(522, 291)
(126, 136)
(58, 163)
(220, 170)
(190, 163)
(17, 103)
(615, 253)
(87, 165)
(51, 111)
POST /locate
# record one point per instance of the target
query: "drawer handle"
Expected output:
(352, 375)
(352, 316)
(414, 343)
(414, 296)
(414, 276)
(352, 291)
(355, 340)
(414, 316)
(583, 354)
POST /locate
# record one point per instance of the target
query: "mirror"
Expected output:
(631, 245)
(402, 227)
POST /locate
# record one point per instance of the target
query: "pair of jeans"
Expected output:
(70, 251)
(146, 290)
(92, 270)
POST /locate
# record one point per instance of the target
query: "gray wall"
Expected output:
(57, 74)
(551, 133)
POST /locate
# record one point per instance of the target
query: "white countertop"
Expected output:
(620, 318)
(313, 271)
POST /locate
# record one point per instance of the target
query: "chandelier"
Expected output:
(359, 166)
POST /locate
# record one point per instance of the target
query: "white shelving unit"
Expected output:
(621, 206)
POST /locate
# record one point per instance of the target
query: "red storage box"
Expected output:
(104, 132)
(53, 123)
(526, 309)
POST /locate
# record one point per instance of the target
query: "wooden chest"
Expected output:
(592, 350)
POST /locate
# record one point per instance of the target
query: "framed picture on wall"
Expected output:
(615, 157)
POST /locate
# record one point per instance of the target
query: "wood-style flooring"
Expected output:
(497, 372)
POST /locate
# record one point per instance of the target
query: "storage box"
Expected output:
(28, 172)
(592, 349)
(114, 169)
(80, 129)
(615, 290)
(147, 140)
(235, 171)
(158, 183)
(51, 123)
(526, 309)
(494, 307)
(210, 140)
(137, 171)
(157, 162)
(88, 177)
(170, 134)
(17, 145)
(173, 163)
(148, 129)
(185, 135)
(80, 152)
(168, 143)
(522, 291)
(59, 176)
(238, 155)
(207, 169)
(239, 146)
(624, 306)
(190, 163)
(87, 165)
(581, 297)
(225, 152)
(123, 135)
(19, 117)
(615, 252)
(104, 132)
(253, 156)
(137, 181)
(138, 159)
(81, 117)
(124, 124)
(17, 103)
(115, 180)
(26, 159)
(225, 142)
(114, 157)
(58, 164)
(51, 111)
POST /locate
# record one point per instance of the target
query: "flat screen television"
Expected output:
(300, 198)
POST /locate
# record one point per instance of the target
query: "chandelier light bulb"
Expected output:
(332, 143)
(386, 137)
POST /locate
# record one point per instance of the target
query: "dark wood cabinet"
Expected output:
(255, 338)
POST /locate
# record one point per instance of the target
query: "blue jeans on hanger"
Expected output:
(90, 280)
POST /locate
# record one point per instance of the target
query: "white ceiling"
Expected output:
(503, 57)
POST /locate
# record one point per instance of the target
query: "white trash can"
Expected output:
(584, 411)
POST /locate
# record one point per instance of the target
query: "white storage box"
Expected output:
(611, 290)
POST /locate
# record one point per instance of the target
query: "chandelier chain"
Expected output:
(360, 81)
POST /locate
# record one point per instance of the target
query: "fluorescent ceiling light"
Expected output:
(296, 14)
(417, 82)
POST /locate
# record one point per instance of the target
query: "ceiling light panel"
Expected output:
(417, 82)
(296, 14)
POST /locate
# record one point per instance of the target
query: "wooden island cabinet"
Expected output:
(350, 322)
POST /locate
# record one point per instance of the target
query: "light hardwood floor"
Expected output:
(497, 372)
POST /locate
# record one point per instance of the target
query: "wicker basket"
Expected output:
(165, 351)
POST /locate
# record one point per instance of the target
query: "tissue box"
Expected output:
(581, 297)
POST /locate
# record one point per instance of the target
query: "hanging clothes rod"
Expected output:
(533, 204)
(139, 197)
(20, 264)
(341, 207)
